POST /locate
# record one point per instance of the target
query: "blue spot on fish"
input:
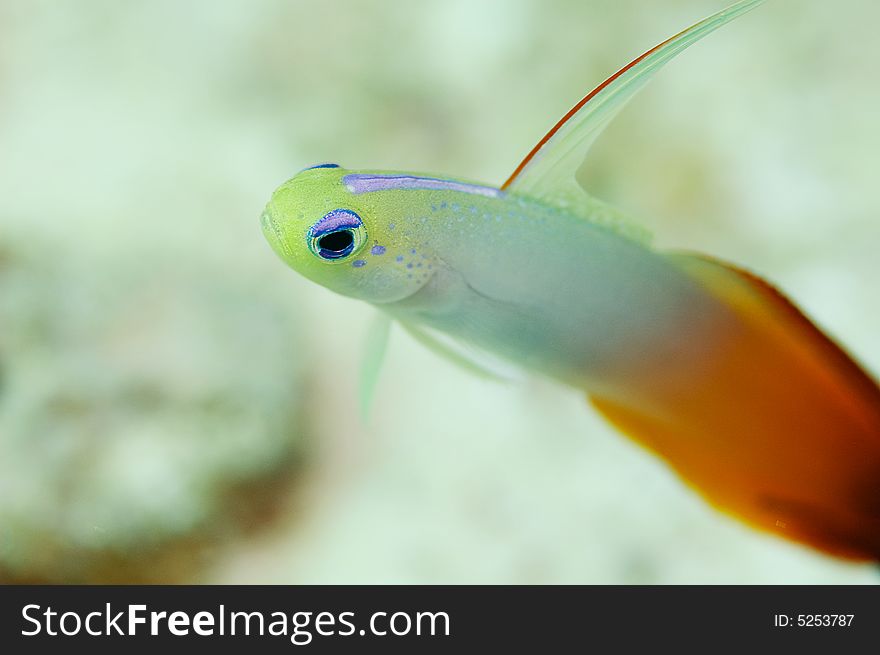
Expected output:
(409, 265)
(377, 250)
(357, 263)
(399, 258)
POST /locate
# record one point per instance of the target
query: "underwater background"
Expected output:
(177, 406)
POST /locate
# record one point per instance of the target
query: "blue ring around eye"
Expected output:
(337, 234)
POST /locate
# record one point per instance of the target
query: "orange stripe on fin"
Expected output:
(780, 429)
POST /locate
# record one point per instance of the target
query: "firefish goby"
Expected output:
(704, 364)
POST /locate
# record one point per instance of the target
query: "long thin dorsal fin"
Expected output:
(548, 171)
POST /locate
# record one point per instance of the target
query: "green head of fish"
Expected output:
(376, 235)
(357, 244)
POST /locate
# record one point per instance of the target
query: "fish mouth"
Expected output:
(273, 233)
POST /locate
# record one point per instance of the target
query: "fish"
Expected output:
(701, 362)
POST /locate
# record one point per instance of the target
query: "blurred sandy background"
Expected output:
(169, 407)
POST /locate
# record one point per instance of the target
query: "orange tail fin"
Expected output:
(781, 430)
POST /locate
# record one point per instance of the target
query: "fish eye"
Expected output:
(337, 235)
(336, 244)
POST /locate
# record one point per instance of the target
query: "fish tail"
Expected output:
(779, 427)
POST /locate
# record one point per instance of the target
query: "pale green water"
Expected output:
(138, 144)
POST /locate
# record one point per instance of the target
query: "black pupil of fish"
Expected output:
(336, 244)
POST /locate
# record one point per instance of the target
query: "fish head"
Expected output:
(355, 244)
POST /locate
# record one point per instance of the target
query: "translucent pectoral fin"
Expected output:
(371, 366)
(470, 358)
